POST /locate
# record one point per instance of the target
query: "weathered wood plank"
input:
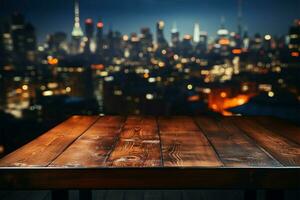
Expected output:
(281, 127)
(284, 150)
(183, 144)
(92, 148)
(234, 148)
(177, 124)
(43, 150)
(138, 145)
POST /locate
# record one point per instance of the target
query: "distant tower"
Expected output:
(77, 32)
(161, 41)
(99, 37)
(89, 32)
(175, 36)
(196, 37)
(240, 15)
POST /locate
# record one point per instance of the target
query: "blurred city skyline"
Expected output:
(271, 17)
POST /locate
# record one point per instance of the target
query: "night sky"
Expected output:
(264, 16)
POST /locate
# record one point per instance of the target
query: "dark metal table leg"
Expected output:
(60, 194)
(85, 194)
(250, 195)
(275, 195)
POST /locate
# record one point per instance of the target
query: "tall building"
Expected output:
(239, 18)
(294, 36)
(99, 37)
(89, 32)
(196, 37)
(77, 32)
(186, 46)
(23, 39)
(6, 44)
(175, 36)
(57, 43)
(223, 40)
(201, 47)
(146, 42)
(161, 41)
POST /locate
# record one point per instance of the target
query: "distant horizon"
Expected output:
(271, 17)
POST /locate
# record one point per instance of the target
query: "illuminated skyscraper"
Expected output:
(99, 37)
(161, 41)
(146, 42)
(89, 32)
(77, 32)
(175, 36)
(196, 37)
(294, 36)
(223, 40)
(23, 39)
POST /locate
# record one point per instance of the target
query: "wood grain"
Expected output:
(138, 145)
(285, 151)
(94, 146)
(184, 145)
(43, 150)
(177, 124)
(281, 127)
(234, 148)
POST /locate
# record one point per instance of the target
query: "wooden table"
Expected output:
(113, 152)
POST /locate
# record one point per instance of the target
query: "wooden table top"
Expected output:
(228, 152)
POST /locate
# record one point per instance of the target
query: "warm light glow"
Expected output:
(1, 149)
(161, 64)
(68, 89)
(271, 94)
(52, 61)
(98, 66)
(224, 41)
(295, 54)
(25, 87)
(146, 75)
(48, 93)
(194, 98)
(161, 24)
(223, 94)
(187, 37)
(236, 51)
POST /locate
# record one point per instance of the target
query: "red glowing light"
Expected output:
(100, 24)
(88, 21)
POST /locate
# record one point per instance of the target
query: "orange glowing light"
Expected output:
(194, 98)
(223, 94)
(100, 24)
(236, 101)
(146, 75)
(236, 51)
(224, 41)
(52, 61)
(98, 66)
(295, 54)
